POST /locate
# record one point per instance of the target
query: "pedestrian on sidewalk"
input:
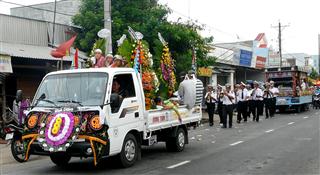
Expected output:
(220, 105)
(242, 96)
(211, 103)
(275, 93)
(227, 101)
(257, 97)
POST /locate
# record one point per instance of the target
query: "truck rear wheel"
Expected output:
(60, 159)
(129, 152)
(178, 142)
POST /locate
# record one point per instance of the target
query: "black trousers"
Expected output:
(251, 107)
(242, 111)
(220, 111)
(227, 111)
(268, 104)
(210, 109)
(258, 109)
(273, 106)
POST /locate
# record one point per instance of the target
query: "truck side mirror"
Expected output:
(114, 102)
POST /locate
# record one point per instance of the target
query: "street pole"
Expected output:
(280, 27)
(54, 21)
(107, 25)
(280, 49)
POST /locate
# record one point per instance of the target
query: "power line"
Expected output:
(36, 8)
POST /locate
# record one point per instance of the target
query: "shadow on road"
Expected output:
(110, 164)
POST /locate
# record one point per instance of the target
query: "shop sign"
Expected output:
(204, 72)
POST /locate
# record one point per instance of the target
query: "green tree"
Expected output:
(314, 74)
(149, 18)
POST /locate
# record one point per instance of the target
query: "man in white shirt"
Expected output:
(227, 101)
(268, 100)
(250, 101)
(220, 105)
(242, 96)
(211, 100)
(257, 97)
(275, 93)
(187, 91)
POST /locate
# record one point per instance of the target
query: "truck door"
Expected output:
(129, 115)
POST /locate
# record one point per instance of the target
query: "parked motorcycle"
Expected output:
(14, 138)
(316, 100)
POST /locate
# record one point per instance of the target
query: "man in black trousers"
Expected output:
(211, 100)
(228, 106)
(242, 96)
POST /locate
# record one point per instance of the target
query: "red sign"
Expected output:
(261, 62)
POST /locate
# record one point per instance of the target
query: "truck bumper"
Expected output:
(77, 149)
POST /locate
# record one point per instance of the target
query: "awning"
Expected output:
(32, 52)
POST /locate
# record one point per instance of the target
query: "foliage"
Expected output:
(149, 18)
(314, 74)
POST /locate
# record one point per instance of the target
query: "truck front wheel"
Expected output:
(178, 142)
(60, 159)
(129, 152)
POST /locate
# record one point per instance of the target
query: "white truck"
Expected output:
(76, 113)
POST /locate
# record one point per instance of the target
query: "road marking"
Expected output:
(269, 130)
(305, 117)
(290, 123)
(236, 143)
(213, 142)
(178, 164)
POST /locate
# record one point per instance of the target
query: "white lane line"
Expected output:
(178, 164)
(269, 130)
(290, 123)
(236, 143)
(305, 117)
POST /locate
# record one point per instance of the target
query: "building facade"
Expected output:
(28, 53)
(66, 9)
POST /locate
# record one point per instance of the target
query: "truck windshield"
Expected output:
(84, 89)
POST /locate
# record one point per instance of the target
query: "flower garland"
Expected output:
(142, 62)
(167, 69)
(56, 130)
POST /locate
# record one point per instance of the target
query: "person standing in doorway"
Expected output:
(275, 93)
(211, 100)
(228, 105)
(257, 97)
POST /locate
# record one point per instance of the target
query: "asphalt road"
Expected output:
(286, 144)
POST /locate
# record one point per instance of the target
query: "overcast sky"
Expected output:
(227, 19)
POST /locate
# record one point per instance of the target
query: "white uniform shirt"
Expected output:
(249, 93)
(242, 95)
(226, 100)
(267, 94)
(213, 96)
(257, 94)
(275, 91)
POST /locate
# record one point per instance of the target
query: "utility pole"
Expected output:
(280, 27)
(54, 21)
(107, 24)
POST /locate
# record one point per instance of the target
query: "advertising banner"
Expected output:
(245, 58)
(5, 64)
